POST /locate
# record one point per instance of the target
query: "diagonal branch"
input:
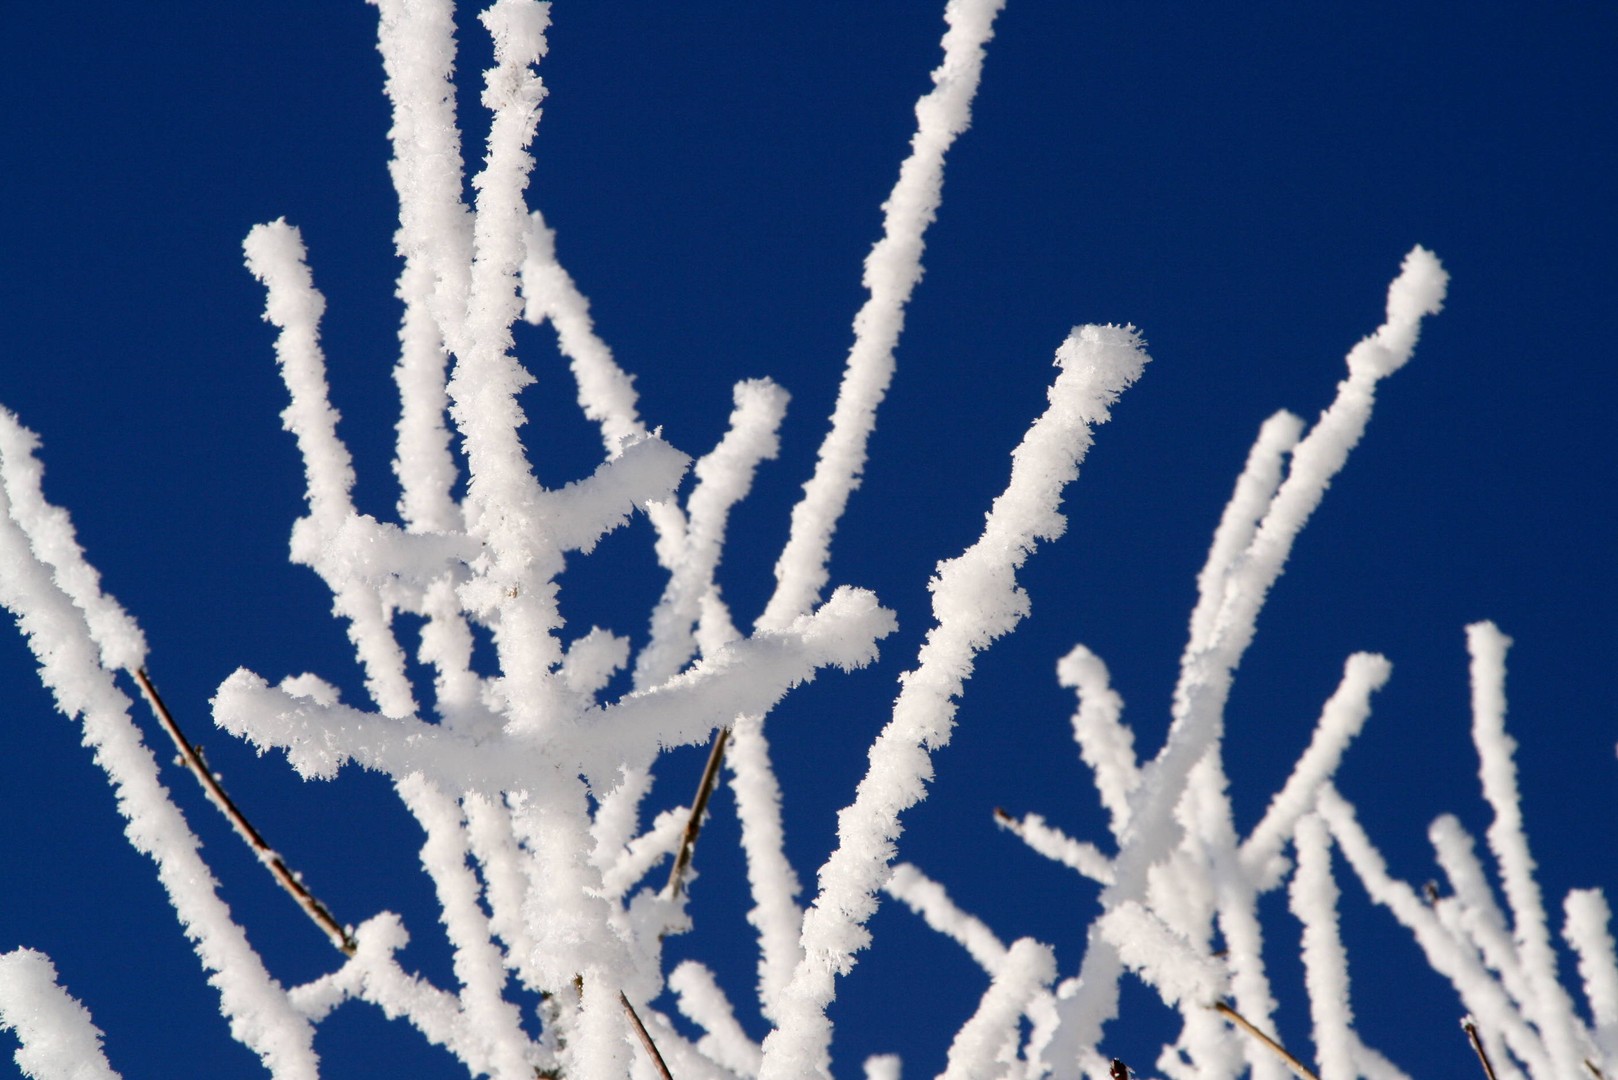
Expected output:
(645, 1037)
(1471, 1030)
(191, 758)
(699, 806)
(1298, 1068)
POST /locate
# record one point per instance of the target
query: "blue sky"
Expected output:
(1240, 185)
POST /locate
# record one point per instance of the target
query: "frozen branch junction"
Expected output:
(528, 765)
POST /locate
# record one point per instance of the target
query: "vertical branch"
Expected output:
(1587, 931)
(724, 477)
(975, 600)
(1548, 1005)
(1106, 744)
(891, 271)
(1207, 672)
(275, 255)
(477, 960)
(774, 884)
(1479, 993)
(417, 42)
(1314, 901)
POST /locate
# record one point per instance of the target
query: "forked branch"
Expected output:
(191, 758)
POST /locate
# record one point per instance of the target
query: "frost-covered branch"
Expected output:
(526, 740)
(59, 1040)
(975, 600)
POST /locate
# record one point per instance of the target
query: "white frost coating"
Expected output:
(417, 41)
(1105, 743)
(751, 676)
(1548, 1006)
(601, 1046)
(606, 394)
(724, 477)
(1314, 901)
(1255, 489)
(891, 271)
(1587, 931)
(478, 963)
(1207, 672)
(645, 851)
(275, 255)
(59, 1040)
(1205, 813)
(775, 913)
(489, 836)
(1161, 957)
(702, 1002)
(1418, 290)
(1340, 721)
(51, 537)
(883, 1067)
(928, 899)
(373, 975)
(578, 515)
(256, 1006)
(593, 659)
(747, 678)
(549, 772)
(1479, 994)
(975, 600)
(986, 1045)
(1472, 913)
(1056, 845)
(485, 379)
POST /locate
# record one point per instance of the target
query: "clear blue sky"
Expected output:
(1241, 185)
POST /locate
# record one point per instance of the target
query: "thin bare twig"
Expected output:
(699, 806)
(191, 758)
(1471, 1030)
(645, 1037)
(1298, 1068)
(1595, 1071)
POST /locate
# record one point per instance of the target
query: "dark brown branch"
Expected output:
(191, 758)
(699, 806)
(1594, 1070)
(1229, 1013)
(645, 1037)
(1471, 1030)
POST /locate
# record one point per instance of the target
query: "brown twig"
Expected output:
(645, 1037)
(1229, 1013)
(191, 758)
(1471, 1030)
(699, 806)
(1595, 1071)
